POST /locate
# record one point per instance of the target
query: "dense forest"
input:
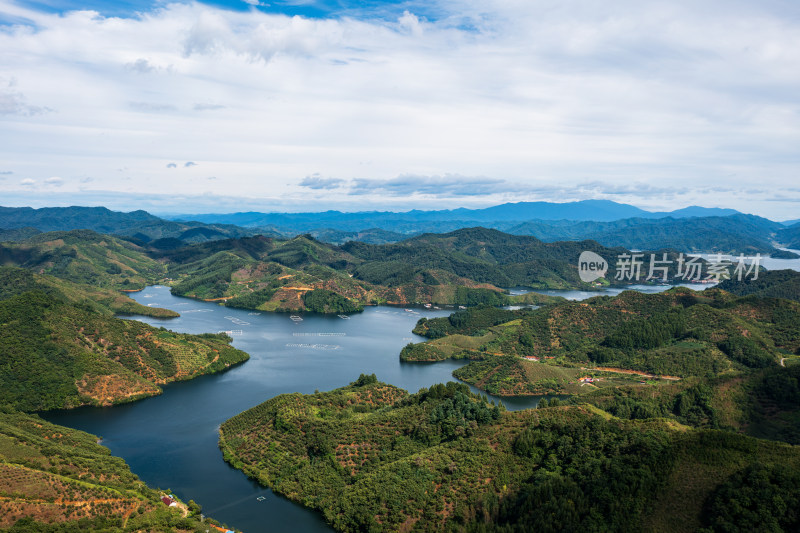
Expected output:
(692, 229)
(139, 226)
(771, 284)
(373, 457)
(84, 257)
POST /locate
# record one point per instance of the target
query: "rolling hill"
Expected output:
(86, 257)
(465, 267)
(677, 333)
(770, 284)
(372, 457)
(790, 237)
(58, 351)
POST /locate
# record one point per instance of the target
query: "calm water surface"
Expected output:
(170, 441)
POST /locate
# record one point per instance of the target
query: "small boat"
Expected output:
(409, 310)
(296, 318)
(344, 317)
(261, 498)
(427, 306)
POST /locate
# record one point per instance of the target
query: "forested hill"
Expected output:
(138, 225)
(465, 267)
(84, 256)
(790, 237)
(372, 457)
(706, 359)
(15, 281)
(772, 283)
(678, 332)
(59, 350)
(692, 229)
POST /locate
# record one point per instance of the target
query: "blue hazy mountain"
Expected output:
(499, 216)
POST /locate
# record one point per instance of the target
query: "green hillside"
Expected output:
(60, 347)
(707, 359)
(466, 267)
(373, 457)
(675, 334)
(262, 273)
(54, 478)
(14, 281)
(771, 284)
(55, 353)
(85, 257)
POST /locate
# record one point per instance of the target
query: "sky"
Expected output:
(304, 105)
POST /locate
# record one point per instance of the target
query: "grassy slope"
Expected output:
(373, 456)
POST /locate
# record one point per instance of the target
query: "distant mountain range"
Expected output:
(738, 232)
(419, 221)
(140, 225)
(691, 229)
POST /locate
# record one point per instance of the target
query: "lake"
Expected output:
(170, 441)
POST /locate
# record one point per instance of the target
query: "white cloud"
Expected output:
(28, 182)
(151, 107)
(13, 102)
(54, 181)
(142, 66)
(639, 96)
(315, 181)
(208, 107)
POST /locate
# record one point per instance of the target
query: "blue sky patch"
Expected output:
(304, 8)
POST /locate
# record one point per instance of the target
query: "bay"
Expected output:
(170, 441)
